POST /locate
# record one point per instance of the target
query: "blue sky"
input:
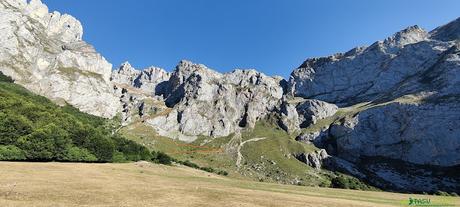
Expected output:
(272, 36)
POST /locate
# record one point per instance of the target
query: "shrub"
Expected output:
(12, 127)
(118, 157)
(190, 164)
(4, 78)
(162, 158)
(347, 182)
(340, 182)
(208, 169)
(132, 150)
(11, 153)
(101, 146)
(222, 172)
(75, 154)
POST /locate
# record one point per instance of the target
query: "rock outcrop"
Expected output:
(136, 89)
(145, 80)
(314, 159)
(301, 113)
(209, 103)
(45, 53)
(423, 134)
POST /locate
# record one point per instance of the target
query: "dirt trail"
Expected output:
(240, 157)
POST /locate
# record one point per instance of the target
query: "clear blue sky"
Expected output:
(272, 36)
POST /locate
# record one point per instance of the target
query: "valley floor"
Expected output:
(146, 184)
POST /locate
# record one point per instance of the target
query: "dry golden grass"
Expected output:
(145, 184)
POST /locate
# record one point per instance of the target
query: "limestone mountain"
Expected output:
(375, 112)
(45, 53)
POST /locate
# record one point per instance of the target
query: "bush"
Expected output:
(347, 182)
(11, 153)
(75, 154)
(222, 172)
(4, 78)
(12, 127)
(101, 146)
(340, 182)
(118, 157)
(208, 169)
(190, 164)
(162, 158)
(132, 150)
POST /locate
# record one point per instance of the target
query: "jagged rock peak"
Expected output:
(63, 27)
(147, 79)
(186, 68)
(410, 35)
(448, 32)
(126, 66)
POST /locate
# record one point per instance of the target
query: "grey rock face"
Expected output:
(296, 114)
(448, 32)
(146, 80)
(209, 103)
(313, 110)
(45, 53)
(125, 74)
(411, 82)
(318, 138)
(365, 73)
(136, 89)
(422, 134)
(314, 159)
(289, 120)
(406, 117)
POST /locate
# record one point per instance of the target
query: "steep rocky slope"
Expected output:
(45, 53)
(208, 103)
(404, 97)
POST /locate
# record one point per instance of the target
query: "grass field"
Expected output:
(145, 184)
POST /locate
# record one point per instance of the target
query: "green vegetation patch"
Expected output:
(35, 129)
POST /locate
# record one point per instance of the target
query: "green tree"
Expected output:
(12, 127)
(75, 154)
(161, 157)
(11, 153)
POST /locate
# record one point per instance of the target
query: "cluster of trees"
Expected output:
(35, 129)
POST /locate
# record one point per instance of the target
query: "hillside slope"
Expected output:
(34, 128)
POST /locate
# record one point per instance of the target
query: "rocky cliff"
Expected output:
(45, 53)
(410, 85)
(400, 101)
(209, 103)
